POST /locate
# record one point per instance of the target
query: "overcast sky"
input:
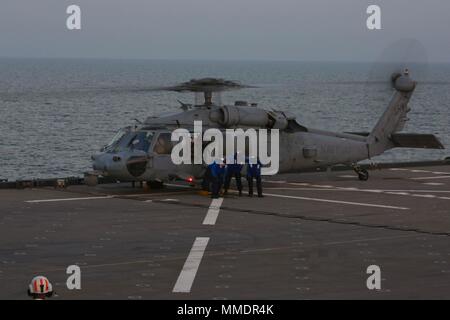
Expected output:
(227, 29)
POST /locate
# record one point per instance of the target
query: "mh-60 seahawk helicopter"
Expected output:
(143, 152)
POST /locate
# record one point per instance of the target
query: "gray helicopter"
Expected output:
(143, 152)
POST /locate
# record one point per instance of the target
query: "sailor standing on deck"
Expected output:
(233, 169)
(217, 177)
(206, 183)
(254, 172)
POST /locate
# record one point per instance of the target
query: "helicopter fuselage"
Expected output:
(144, 153)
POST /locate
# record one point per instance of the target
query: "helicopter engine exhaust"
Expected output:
(234, 115)
(231, 116)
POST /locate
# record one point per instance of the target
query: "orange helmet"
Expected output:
(40, 286)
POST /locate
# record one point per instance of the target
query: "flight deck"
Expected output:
(312, 236)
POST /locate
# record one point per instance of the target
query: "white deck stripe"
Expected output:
(424, 195)
(69, 199)
(275, 181)
(429, 178)
(356, 189)
(418, 171)
(337, 201)
(412, 190)
(187, 275)
(178, 185)
(213, 212)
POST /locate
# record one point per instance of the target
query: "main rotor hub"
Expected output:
(207, 86)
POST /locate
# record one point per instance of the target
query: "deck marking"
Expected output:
(187, 275)
(152, 194)
(418, 171)
(424, 195)
(170, 200)
(415, 190)
(398, 193)
(434, 177)
(275, 181)
(337, 201)
(357, 189)
(301, 189)
(69, 199)
(433, 183)
(300, 184)
(178, 185)
(321, 186)
(213, 212)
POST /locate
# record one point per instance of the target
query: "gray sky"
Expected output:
(226, 29)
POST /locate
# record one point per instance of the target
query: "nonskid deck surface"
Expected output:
(311, 237)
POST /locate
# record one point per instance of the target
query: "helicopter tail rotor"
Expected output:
(405, 62)
(385, 135)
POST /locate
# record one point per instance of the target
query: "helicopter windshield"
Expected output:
(126, 139)
(141, 141)
(116, 139)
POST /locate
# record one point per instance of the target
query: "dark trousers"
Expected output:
(237, 176)
(206, 183)
(216, 186)
(258, 185)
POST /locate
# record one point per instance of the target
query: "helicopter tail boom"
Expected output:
(385, 134)
(394, 117)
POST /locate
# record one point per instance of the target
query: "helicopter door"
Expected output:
(162, 150)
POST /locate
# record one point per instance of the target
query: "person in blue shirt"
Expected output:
(233, 169)
(217, 177)
(254, 172)
(206, 183)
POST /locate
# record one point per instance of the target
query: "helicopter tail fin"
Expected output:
(385, 134)
(394, 117)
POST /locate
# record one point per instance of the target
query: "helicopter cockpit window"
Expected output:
(116, 139)
(141, 141)
(163, 144)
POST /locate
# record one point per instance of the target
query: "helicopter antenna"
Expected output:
(184, 106)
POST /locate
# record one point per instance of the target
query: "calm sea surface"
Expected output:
(55, 113)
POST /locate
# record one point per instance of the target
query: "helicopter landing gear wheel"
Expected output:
(363, 175)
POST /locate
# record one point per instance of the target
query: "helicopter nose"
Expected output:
(120, 165)
(100, 162)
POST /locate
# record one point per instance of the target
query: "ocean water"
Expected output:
(55, 113)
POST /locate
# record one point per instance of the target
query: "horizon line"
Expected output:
(199, 59)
